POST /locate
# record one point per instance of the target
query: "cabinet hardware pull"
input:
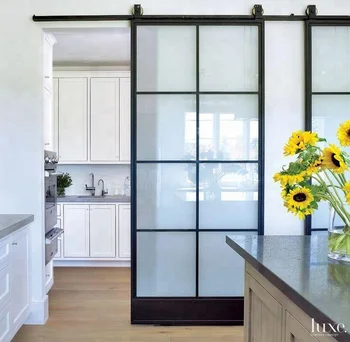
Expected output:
(14, 243)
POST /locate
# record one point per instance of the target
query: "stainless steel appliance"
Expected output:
(51, 232)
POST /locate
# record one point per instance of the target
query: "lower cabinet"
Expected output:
(19, 278)
(102, 231)
(270, 316)
(76, 230)
(94, 232)
(264, 316)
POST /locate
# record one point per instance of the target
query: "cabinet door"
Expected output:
(73, 119)
(295, 332)
(49, 41)
(76, 231)
(19, 277)
(104, 119)
(263, 314)
(125, 124)
(55, 114)
(48, 121)
(124, 231)
(102, 231)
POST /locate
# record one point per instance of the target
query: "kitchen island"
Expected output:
(292, 292)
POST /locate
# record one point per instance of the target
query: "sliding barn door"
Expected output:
(197, 110)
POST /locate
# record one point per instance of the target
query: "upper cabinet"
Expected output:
(105, 104)
(93, 117)
(48, 43)
(125, 120)
(73, 119)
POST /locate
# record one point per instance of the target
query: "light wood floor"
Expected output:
(93, 305)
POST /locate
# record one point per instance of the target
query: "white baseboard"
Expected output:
(39, 312)
(84, 263)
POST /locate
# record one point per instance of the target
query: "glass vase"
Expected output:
(61, 192)
(338, 237)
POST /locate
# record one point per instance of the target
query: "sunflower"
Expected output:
(343, 133)
(286, 179)
(300, 198)
(333, 159)
(301, 213)
(314, 167)
(346, 189)
(299, 141)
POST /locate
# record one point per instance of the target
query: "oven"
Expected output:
(51, 232)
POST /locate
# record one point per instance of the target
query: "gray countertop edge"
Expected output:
(102, 200)
(22, 221)
(288, 291)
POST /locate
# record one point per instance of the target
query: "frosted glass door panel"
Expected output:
(330, 59)
(228, 58)
(166, 58)
(166, 127)
(166, 264)
(221, 272)
(228, 127)
(228, 195)
(328, 112)
(166, 195)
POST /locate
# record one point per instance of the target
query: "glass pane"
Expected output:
(221, 269)
(166, 127)
(166, 58)
(166, 195)
(328, 112)
(228, 58)
(228, 127)
(228, 196)
(166, 264)
(330, 58)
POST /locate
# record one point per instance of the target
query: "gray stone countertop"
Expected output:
(94, 199)
(11, 223)
(299, 267)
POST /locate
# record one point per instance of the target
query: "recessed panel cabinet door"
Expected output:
(124, 231)
(76, 231)
(125, 124)
(73, 119)
(262, 314)
(19, 278)
(295, 332)
(102, 231)
(105, 119)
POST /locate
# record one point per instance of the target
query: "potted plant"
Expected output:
(63, 181)
(318, 174)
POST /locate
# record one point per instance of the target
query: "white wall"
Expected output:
(21, 137)
(112, 175)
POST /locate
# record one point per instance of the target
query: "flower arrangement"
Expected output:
(318, 175)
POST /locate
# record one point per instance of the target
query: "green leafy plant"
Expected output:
(63, 181)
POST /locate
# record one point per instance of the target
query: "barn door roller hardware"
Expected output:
(311, 11)
(137, 11)
(258, 11)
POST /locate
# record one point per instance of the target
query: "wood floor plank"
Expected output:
(93, 305)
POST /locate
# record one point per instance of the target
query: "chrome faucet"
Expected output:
(104, 192)
(92, 187)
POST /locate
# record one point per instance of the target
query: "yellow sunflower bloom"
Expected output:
(343, 133)
(314, 167)
(346, 187)
(299, 141)
(300, 198)
(289, 179)
(333, 160)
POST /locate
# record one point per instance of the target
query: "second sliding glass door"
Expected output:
(197, 121)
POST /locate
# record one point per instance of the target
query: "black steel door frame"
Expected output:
(191, 310)
(315, 21)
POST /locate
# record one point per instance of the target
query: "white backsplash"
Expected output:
(113, 176)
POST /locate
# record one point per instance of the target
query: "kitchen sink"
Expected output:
(87, 196)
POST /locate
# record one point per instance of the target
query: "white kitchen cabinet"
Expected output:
(76, 230)
(73, 119)
(104, 95)
(102, 231)
(19, 278)
(55, 115)
(125, 120)
(49, 276)
(48, 121)
(124, 243)
(48, 43)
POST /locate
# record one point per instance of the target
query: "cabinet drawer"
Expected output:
(59, 223)
(4, 286)
(59, 249)
(4, 253)
(5, 323)
(58, 209)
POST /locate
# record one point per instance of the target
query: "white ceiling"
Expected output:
(109, 46)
